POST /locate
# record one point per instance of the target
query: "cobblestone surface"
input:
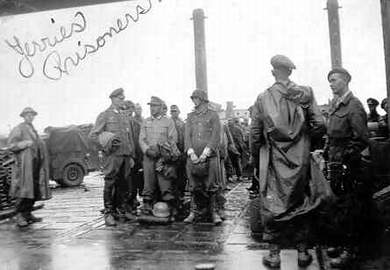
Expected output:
(73, 236)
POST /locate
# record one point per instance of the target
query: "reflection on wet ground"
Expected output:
(73, 236)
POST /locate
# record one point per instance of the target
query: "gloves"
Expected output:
(152, 152)
(205, 154)
(191, 153)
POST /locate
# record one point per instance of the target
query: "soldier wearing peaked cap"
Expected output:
(373, 115)
(284, 118)
(156, 130)
(119, 157)
(202, 140)
(179, 125)
(31, 180)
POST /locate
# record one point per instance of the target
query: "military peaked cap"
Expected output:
(117, 92)
(200, 94)
(372, 101)
(340, 70)
(28, 110)
(174, 108)
(282, 61)
(156, 101)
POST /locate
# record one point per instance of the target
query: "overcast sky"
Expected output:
(155, 56)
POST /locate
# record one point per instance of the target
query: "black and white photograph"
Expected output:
(194, 134)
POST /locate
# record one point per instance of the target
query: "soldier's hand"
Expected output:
(131, 163)
(202, 158)
(194, 158)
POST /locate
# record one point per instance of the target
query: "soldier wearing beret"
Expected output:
(373, 115)
(284, 118)
(155, 131)
(119, 156)
(347, 137)
(31, 180)
(202, 139)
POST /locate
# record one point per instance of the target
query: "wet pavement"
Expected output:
(73, 236)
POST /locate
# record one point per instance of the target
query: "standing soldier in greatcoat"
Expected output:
(202, 139)
(30, 181)
(156, 131)
(113, 132)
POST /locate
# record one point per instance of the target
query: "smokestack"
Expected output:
(200, 50)
(334, 32)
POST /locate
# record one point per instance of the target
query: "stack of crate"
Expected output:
(6, 160)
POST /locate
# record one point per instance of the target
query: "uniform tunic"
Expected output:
(203, 129)
(155, 130)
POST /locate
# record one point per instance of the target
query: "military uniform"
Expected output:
(119, 158)
(349, 217)
(202, 131)
(154, 131)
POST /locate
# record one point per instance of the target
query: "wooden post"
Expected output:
(385, 10)
(334, 32)
(200, 49)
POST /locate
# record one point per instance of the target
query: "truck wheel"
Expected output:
(254, 216)
(72, 175)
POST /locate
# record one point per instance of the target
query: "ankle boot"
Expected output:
(343, 260)
(272, 260)
(32, 219)
(109, 219)
(21, 221)
(304, 257)
(193, 208)
(216, 219)
(147, 208)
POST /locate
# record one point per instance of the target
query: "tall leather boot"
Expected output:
(216, 219)
(193, 211)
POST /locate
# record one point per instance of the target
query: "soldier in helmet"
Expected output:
(202, 139)
(32, 168)
(156, 130)
(113, 132)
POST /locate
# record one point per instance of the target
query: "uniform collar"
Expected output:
(112, 108)
(202, 108)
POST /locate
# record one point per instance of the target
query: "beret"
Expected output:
(282, 61)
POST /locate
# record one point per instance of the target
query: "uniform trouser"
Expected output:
(137, 178)
(154, 182)
(236, 162)
(181, 181)
(117, 181)
(203, 189)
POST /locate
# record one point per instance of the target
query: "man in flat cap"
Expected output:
(202, 140)
(284, 118)
(156, 130)
(179, 125)
(119, 157)
(31, 182)
(373, 115)
(347, 137)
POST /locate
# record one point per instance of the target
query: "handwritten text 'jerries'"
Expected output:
(53, 65)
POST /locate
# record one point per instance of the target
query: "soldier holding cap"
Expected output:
(119, 157)
(373, 115)
(347, 137)
(156, 130)
(31, 182)
(285, 117)
(202, 139)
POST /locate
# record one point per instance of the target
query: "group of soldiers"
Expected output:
(160, 157)
(170, 155)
